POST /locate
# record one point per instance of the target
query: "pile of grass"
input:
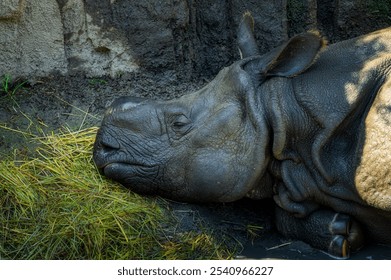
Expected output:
(56, 205)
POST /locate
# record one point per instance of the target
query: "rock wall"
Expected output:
(338, 19)
(31, 38)
(192, 38)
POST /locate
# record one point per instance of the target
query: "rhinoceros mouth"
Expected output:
(114, 169)
(138, 178)
(128, 171)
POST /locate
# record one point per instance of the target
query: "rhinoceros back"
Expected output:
(373, 175)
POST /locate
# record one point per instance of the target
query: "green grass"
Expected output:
(96, 81)
(56, 205)
(10, 87)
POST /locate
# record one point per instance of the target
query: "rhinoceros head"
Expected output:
(200, 147)
(210, 145)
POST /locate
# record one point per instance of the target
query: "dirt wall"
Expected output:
(190, 37)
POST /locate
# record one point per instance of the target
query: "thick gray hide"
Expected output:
(306, 124)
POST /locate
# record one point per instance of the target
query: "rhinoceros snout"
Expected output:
(104, 148)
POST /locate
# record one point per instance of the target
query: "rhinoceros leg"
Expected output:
(337, 234)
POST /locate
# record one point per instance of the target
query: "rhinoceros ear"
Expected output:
(294, 57)
(245, 37)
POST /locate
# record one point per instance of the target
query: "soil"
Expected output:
(53, 103)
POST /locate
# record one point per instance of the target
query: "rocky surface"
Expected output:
(112, 37)
(192, 37)
(31, 38)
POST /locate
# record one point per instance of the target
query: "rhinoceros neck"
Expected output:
(257, 115)
(288, 122)
(273, 125)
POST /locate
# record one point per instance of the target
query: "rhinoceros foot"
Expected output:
(336, 234)
(347, 236)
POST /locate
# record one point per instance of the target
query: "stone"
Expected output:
(11, 9)
(33, 45)
(192, 39)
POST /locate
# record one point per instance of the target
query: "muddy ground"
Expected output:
(77, 102)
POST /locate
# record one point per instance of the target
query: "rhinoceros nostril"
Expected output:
(109, 146)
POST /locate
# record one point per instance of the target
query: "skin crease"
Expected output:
(302, 124)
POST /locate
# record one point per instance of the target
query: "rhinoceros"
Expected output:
(307, 124)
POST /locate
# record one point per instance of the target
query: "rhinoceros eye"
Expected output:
(180, 124)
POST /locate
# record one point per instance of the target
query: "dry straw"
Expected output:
(56, 205)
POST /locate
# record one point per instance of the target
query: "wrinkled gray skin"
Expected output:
(306, 124)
